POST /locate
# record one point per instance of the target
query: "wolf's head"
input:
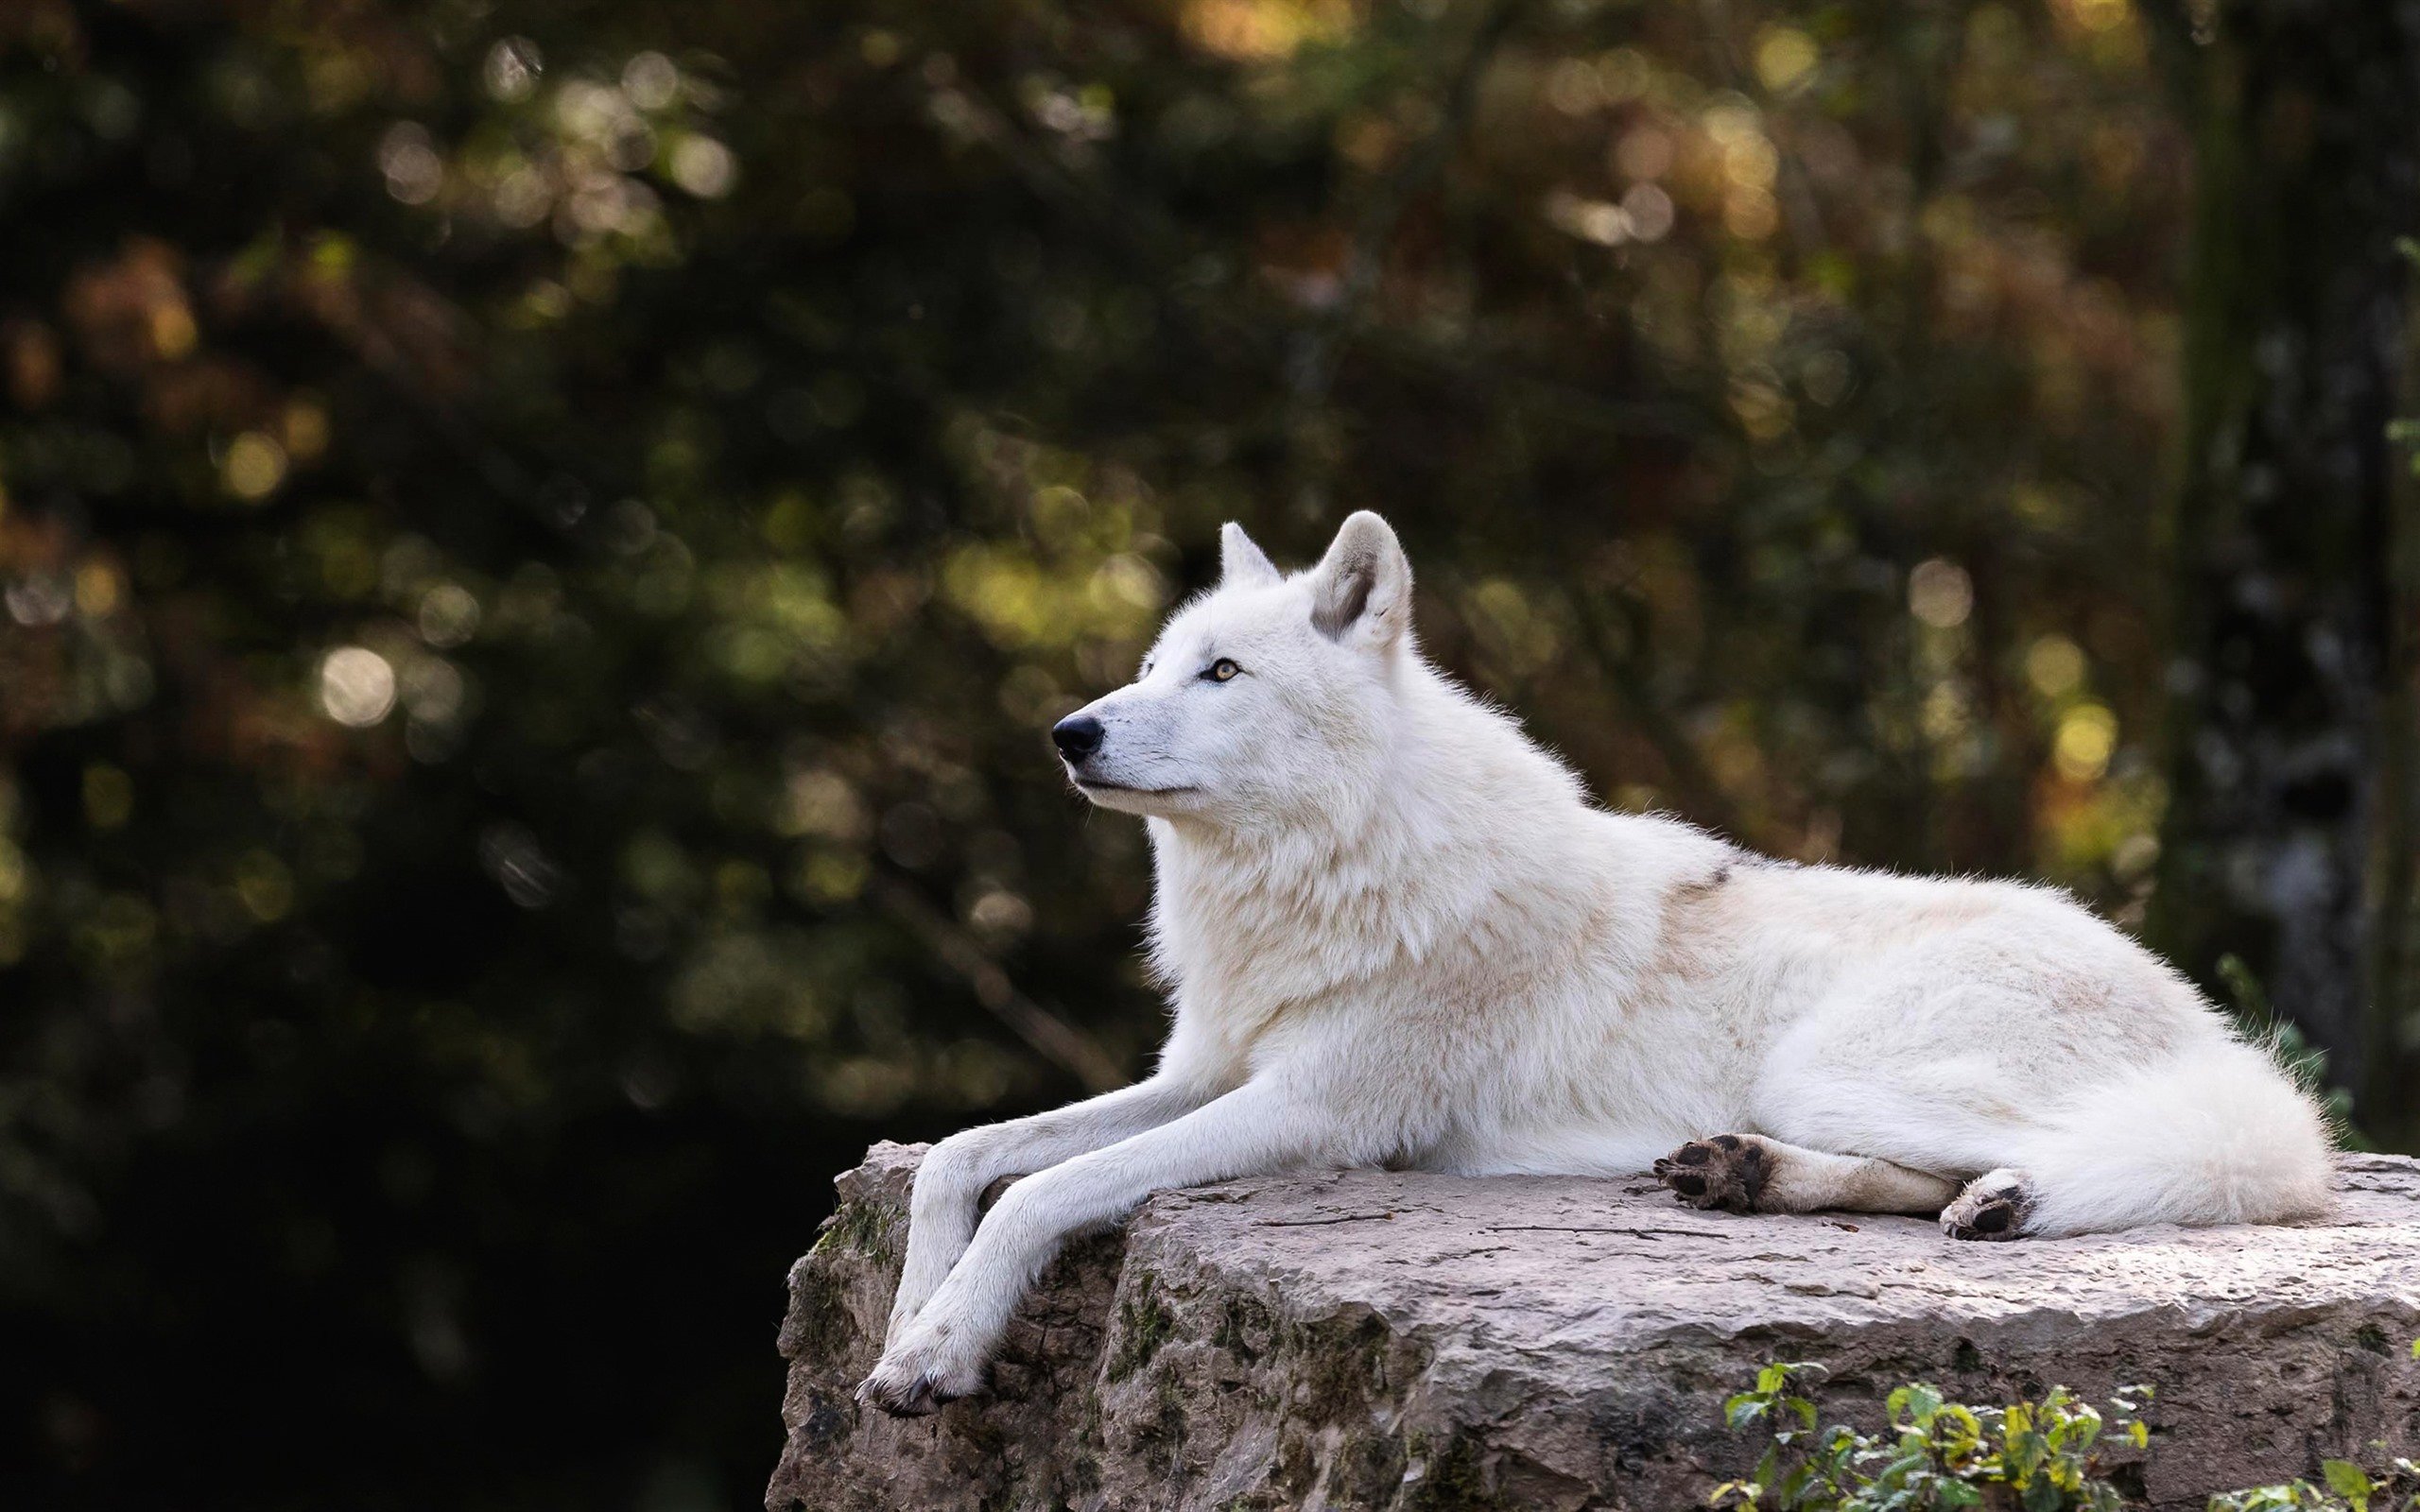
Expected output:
(1264, 699)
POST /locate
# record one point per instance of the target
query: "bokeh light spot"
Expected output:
(650, 82)
(174, 334)
(356, 686)
(1649, 209)
(1785, 58)
(408, 159)
(2054, 665)
(449, 615)
(253, 466)
(1940, 593)
(512, 68)
(704, 167)
(98, 588)
(2088, 738)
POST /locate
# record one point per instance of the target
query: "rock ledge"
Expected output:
(1398, 1341)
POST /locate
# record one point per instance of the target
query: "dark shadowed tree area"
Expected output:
(540, 539)
(2290, 831)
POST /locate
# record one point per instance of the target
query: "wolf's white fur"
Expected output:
(1395, 932)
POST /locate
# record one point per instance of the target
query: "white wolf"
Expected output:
(1396, 933)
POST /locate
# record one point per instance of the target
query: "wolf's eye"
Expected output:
(1221, 670)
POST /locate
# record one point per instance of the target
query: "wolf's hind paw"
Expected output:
(1727, 1172)
(1995, 1206)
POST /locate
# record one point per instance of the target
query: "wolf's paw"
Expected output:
(1994, 1205)
(1727, 1172)
(921, 1373)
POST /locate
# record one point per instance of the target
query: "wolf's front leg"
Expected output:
(942, 1353)
(940, 1208)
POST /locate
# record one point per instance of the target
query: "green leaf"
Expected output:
(1906, 1464)
(2348, 1481)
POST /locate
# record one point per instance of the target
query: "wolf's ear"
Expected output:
(1241, 564)
(1361, 589)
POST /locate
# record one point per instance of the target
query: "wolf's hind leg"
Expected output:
(1749, 1173)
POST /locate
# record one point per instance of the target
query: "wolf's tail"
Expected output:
(2219, 1134)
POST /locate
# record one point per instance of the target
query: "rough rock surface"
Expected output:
(1384, 1340)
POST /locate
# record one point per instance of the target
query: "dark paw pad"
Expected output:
(1997, 1213)
(1725, 1172)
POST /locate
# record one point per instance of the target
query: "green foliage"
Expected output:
(2027, 1457)
(2346, 1488)
(2039, 1455)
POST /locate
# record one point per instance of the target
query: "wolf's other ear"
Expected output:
(1241, 564)
(1361, 589)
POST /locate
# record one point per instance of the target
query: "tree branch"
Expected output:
(1049, 1035)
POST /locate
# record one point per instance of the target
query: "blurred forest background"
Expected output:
(540, 539)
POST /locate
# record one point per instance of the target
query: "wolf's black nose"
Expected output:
(1077, 736)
